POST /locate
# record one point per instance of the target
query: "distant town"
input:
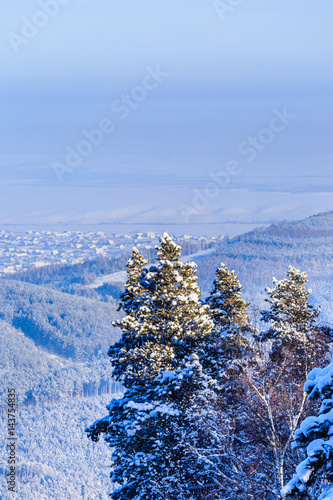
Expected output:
(22, 251)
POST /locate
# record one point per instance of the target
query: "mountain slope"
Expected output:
(63, 324)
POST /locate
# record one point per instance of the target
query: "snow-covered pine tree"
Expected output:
(229, 313)
(315, 438)
(130, 299)
(290, 315)
(124, 354)
(227, 306)
(292, 327)
(164, 331)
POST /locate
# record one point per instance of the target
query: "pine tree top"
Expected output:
(290, 312)
(225, 301)
(165, 320)
(132, 296)
(168, 249)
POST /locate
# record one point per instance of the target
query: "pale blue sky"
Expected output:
(225, 78)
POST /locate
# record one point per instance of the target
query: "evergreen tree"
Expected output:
(135, 266)
(290, 314)
(225, 300)
(293, 329)
(229, 313)
(315, 438)
(165, 330)
(220, 418)
(125, 355)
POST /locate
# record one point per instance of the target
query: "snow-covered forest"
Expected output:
(211, 403)
(207, 372)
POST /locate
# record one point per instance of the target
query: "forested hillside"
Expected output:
(54, 459)
(53, 352)
(58, 342)
(75, 327)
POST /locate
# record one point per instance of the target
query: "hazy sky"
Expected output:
(181, 89)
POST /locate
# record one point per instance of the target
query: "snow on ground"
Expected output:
(119, 277)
